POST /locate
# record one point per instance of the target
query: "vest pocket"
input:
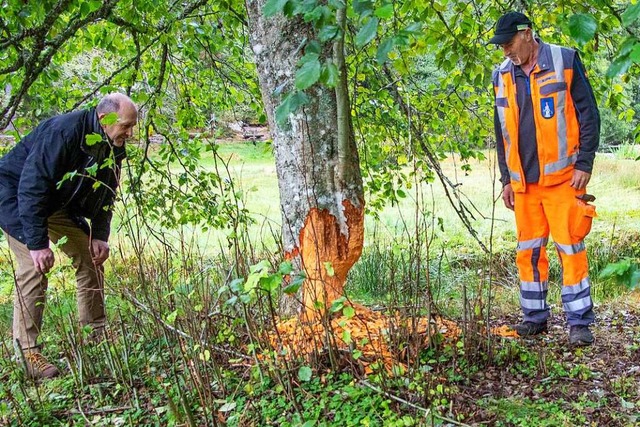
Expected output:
(502, 102)
(553, 88)
(583, 215)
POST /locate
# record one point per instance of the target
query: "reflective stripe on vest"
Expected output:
(558, 66)
(503, 124)
(566, 156)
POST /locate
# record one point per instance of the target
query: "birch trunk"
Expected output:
(317, 162)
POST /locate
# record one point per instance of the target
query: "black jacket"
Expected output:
(54, 168)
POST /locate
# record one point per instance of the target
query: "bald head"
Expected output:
(113, 102)
(127, 113)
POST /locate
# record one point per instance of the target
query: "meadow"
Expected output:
(188, 346)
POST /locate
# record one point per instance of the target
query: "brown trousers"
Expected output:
(31, 285)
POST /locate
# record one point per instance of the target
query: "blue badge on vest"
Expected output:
(546, 108)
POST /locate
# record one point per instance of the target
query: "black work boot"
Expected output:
(580, 335)
(529, 329)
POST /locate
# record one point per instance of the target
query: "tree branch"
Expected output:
(40, 59)
(460, 208)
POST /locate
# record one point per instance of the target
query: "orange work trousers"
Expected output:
(541, 210)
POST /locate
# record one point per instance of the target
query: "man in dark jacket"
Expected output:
(64, 172)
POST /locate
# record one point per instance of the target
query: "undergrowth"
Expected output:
(188, 346)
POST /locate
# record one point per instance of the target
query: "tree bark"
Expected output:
(316, 156)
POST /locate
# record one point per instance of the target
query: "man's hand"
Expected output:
(99, 251)
(42, 260)
(508, 197)
(580, 179)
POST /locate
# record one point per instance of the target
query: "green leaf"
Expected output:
(346, 337)
(273, 7)
(259, 267)
(95, 5)
(620, 65)
(337, 305)
(290, 104)
(635, 54)
(628, 45)
(329, 267)
(349, 312)
(362, 7)
(582, 27)
(85, 8)
(285, 268)
(367, 33)
(304, 373)
(414, 28)
(308, 74)
(383, 50)
(171, 317)
(237, 285)
(330, 74)
(385, 11)
(270, 283)
(327, 32)
(292, 288)
(312, 48)
(631, 14)
(61, 241)
(92, 170)
(289, 8)
(634, 280)
(615, 269)
(257, 272)
(92, 139)
(109, 119)
(283, 110)
(295, 284)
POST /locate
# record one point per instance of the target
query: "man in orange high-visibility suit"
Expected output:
(547, 128)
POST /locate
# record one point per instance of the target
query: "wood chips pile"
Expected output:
(364, 336)
(504, 331)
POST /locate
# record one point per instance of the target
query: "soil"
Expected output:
(600, 383)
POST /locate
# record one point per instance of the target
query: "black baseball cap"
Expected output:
(508, 26)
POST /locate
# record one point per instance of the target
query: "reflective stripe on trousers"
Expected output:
(540, 212)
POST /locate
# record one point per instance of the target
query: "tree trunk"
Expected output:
(316, 159)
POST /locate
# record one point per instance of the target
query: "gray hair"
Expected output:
(110, 103)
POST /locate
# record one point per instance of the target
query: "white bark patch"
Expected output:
(340, 215)
(258, 49)
(308, 157)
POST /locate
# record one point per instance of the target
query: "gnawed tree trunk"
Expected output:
(316, 159)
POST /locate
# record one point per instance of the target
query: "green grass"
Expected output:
(252, 166)
(627, 152)
(152, 375)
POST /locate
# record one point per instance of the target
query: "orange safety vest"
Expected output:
(556, 122)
